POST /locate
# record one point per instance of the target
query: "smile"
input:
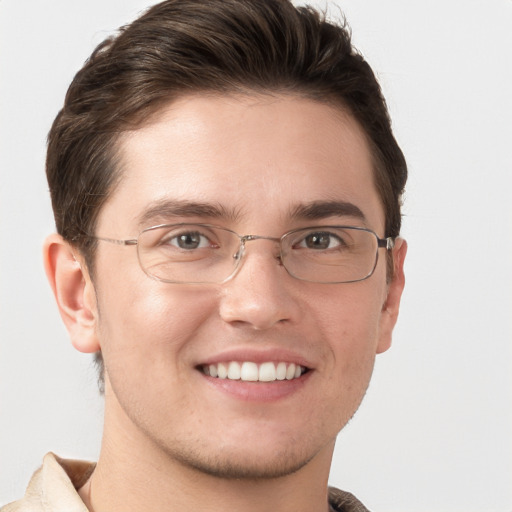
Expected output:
(252, 372)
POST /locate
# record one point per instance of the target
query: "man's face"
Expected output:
(256, 161)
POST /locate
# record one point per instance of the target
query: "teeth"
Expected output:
(222, 371)
(267, 372)
(234, 371)
(290, 372)
(251, 372)
(281, 371)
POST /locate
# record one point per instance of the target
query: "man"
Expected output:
(226, 189)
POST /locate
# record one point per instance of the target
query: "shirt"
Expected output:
(53, 488)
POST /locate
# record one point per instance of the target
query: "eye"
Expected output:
(321, 241)
(189, 240)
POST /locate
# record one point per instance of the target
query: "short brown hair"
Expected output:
(191, 46)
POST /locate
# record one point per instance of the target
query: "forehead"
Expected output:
(248, 156)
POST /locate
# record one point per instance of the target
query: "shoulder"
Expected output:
(53, 486)
(342, 501)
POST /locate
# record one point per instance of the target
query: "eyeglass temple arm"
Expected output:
(386, 243)
(132, 241)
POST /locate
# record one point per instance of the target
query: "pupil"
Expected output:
(318, 241)
(189, 241)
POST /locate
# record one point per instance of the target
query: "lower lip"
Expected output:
(259, 391)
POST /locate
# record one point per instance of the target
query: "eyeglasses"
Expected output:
(202, 253)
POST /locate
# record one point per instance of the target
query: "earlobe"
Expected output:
(74, 292)
(391, 306)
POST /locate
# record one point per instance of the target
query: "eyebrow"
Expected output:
(317, 210)
(164, 209)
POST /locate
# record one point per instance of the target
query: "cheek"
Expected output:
(146, 340)
(351, 314)
(349, 321)
(146, 325)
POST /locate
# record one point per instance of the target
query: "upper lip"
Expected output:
(258, 356)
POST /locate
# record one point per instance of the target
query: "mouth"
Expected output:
(249, 371)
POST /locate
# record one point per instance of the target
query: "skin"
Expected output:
(173, 435)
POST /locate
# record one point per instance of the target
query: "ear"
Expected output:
(74, 292)
(391, 306)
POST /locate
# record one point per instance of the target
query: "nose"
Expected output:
(261, 294)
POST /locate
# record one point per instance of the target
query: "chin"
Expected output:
(244, 466)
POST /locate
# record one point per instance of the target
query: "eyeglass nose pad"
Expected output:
(238, 254)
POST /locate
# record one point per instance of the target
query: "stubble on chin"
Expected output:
(240, 466)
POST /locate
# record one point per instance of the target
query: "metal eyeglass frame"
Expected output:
(387, 243)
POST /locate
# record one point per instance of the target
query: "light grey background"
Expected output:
(435, 431)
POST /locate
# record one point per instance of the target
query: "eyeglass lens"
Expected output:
(199, 253)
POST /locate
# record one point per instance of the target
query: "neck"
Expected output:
(113, 488)
(134, 474)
